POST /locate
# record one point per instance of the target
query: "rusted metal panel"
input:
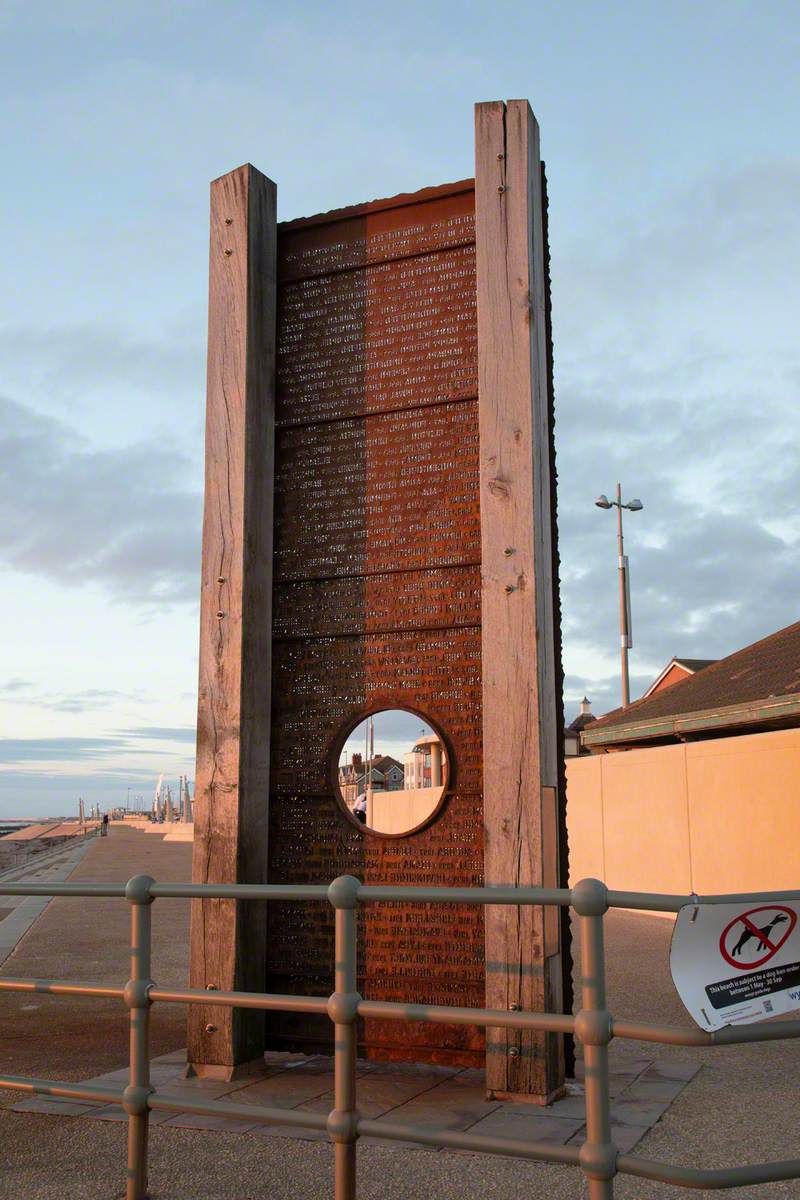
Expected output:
(390, 491)
(377, 596)
(322, 685)
(389, 601)
(377, 310)
(426, 954)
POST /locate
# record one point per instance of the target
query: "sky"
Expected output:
(395, 731)
(670, 137)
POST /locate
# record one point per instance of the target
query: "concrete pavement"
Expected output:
(52, 866)
(740, 1107)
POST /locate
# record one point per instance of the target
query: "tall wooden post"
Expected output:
(520, 740)
(228, 942)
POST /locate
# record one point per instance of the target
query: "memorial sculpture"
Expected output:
(379, 534)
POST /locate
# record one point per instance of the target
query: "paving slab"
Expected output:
(294, 1132)
(428, 1096)
(652, 1089)
(58, 1106)
(115, 1112)
(545, 1128)
(671, 1069)
(219, 1124)
(624, 1137)
(285, 1090)
(377, 1094)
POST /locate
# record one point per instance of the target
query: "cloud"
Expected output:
(68, 362)
(710, 266)
(23, 691)
(13, 686)
(677, 373)
(96, 748)
(59, 749)
(75, 513)
(396, 731)
(603, 692)
(166, 733)
(28, 793)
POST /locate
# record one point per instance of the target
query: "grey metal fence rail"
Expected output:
(593, 1025)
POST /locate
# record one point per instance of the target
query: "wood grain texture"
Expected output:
(519, 677)
(233, 722)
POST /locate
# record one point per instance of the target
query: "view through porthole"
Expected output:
(392, 772)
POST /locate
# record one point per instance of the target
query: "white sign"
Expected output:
(736, 963)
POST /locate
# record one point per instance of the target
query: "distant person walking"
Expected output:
(104, 826)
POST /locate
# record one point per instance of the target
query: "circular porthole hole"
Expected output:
(392, 773)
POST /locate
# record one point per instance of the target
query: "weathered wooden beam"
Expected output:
(520, 738)
(228, 942)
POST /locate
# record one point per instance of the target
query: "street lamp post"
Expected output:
(625, 631)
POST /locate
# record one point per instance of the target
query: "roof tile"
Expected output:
(766, 668)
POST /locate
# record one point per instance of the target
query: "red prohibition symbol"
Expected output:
(750, 941)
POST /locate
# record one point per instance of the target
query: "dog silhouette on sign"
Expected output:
(764, 930)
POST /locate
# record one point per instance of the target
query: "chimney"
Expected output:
(586, 707)
(357, 761)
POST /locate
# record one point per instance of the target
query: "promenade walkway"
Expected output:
(18, 913)
(740, 1107)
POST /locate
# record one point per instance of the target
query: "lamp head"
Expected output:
(603, 502)
(635, 505)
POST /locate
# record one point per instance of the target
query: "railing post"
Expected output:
(137, 999)
(343, 1011)
(598, 1156)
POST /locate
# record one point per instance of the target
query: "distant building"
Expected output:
(695, 787)
(676, 670)
(348, 780)
(572, 734)
(425, 764)
(385, 775)
(756, 689)
(392, 771)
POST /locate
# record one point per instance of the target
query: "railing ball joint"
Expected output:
(598, 1160)
(593, 1026)
(590, 898)
(134, 1100)
(137, 993)
(137, 889)
(343, 1007)
(343, 892)
(343, 1125)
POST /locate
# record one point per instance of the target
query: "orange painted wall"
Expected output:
(674, 675)
(716, 816)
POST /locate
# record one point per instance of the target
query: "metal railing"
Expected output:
(594, 1026)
